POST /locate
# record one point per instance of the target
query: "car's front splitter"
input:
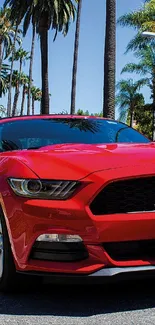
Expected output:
(112, 271)
(105, 275)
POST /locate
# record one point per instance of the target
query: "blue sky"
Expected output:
(91, 53)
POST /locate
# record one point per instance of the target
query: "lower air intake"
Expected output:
(131, 250)
(59, 252)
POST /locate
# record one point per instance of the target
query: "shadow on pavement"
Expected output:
(80, 301)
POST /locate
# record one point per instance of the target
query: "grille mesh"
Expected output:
(126, 196)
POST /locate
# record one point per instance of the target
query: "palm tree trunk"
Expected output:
(15, 101)
(23, 100)
(32, 105)
(2, 49)
(20, 66)
(11, 73)
(131, 118)
(75, 63)
(1, 56)
(31, 69)
(43, 31)
(17, 91)
(110, 60)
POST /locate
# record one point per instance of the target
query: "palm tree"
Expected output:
(4, 79)
(7, 32)
(31, 69)
(145, 67)
(18, 79)
(15, 20)
(36, 96)
(45, 14)
(140, 20)
(11, 70)
(2, 111)
(109, 60)
(22, 56)
(15, 84)
(25, 83)
(75, 63)
(128, 97)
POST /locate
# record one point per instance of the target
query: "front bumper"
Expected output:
(28, 219)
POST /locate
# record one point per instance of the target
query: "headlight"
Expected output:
(43, 189)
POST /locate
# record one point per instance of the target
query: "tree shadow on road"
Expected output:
(80, 301)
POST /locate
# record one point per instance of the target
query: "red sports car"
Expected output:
(77, 197)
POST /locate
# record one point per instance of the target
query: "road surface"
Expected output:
(125, 304)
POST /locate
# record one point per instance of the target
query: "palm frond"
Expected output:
(4, 78)
(128, 97)
(135, 67)
(7, 32)
(59, 13)
(139, 42)
(123, 115)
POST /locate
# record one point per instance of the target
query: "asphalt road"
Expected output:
(124, 304)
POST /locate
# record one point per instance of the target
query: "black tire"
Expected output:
(10, 280)
(8, 275)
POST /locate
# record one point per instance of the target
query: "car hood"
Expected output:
(75, 161)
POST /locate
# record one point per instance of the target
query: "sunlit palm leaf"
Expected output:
(4, 79)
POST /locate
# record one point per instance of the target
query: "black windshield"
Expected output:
(36, 133)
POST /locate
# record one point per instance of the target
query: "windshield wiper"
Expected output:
(9, 145)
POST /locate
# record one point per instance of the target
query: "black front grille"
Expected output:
(131, 250)
(132, 195)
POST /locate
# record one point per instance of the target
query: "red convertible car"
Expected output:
(77, 198)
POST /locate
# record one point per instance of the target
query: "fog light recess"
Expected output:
(61, 238)
(59, 248)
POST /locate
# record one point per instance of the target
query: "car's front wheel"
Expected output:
(10, 280)
(7, 267)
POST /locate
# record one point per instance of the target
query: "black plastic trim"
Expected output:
(59, 252)
(131, 250)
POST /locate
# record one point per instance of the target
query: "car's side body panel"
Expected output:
(28, 219)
